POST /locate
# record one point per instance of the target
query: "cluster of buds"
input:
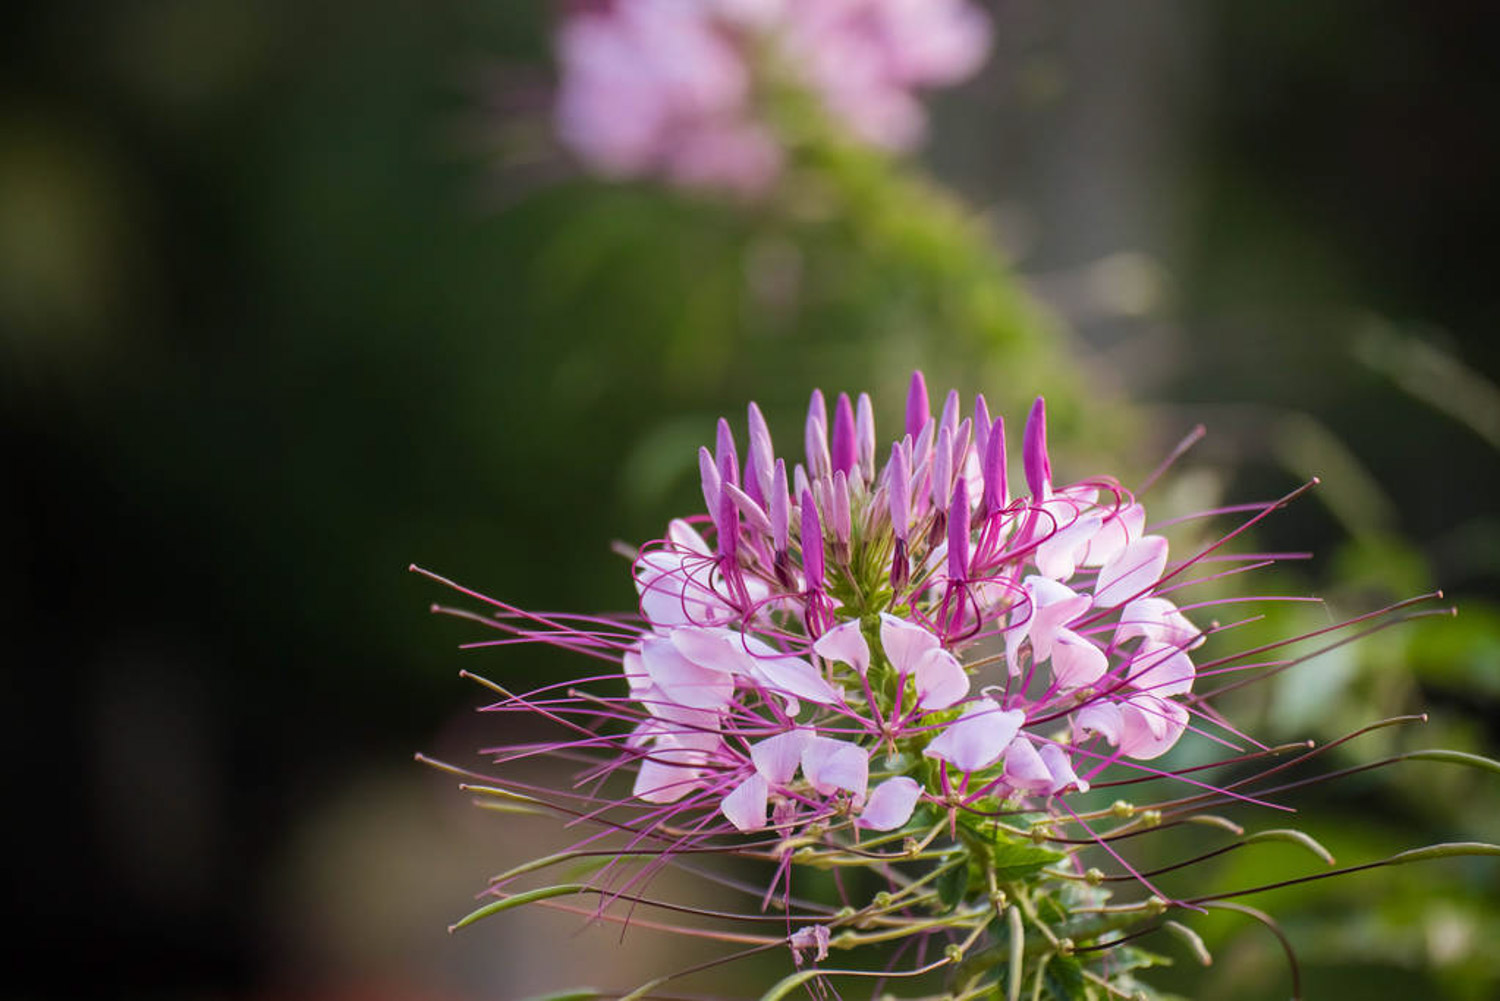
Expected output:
(916, 668)
(680, 88)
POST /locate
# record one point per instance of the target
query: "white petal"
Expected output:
(846, 643)
(1102, 718)
(1061, 770)
(1161, 670)
(1057, 557)
(777, 757)
(1150, 726)
(746, 805)
(891, 804)
(682, 681)
(788, 676)
(635, 673)
(1024, 768)
(1052, 606)
(904, 641)
(1076, 661)
(1133, 572)
(1120, 528)
(1159, 622)
(941, 680)
(977, 738)
(668, 772)
(835, 764)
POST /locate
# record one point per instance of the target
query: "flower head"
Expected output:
(839, 653)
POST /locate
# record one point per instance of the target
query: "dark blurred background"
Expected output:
(294, 294)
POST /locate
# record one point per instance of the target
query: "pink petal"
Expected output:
(941, 680)
(746, 805)
(668, 773)
(1150, 726)
(1161, 670)
(683, 535)
(1061, 770)
(1120, 528)
(1159, 622)
(1058, 556)
(891, 804)
(1052, 606)
(1076, 661)
(788, 676)
(904, 642)
(635, 672)
(1102, 718)
(845, 643)
(1132, 573)
(977, 738)
(835, 764)
(776, 758)
(1024, 768)
(682, 681)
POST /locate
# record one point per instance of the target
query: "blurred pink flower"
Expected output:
(671, 88)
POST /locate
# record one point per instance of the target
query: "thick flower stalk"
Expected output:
(907, 666)
(683, 89)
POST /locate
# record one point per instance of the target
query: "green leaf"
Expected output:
(952, 885)
(1063, 978)
(1124, 958)
(1015, 860)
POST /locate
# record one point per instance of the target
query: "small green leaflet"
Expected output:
(1013, 860)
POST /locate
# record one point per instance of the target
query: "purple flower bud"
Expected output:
(864, 437)
(918, 410)
(900, 492)
(727, 521)
(921, 449)
(958, 531)
(724, 454)
(800, 483)
(812, 544)
(710, 475)
(996, 490)
(760, 458)
(942, 469)
(749, 509)
(844, 444)
(780, 505)
(1034, 452)
(950, 412)
(981, 425)
(815, 436)
(839, 517)
(961, 446)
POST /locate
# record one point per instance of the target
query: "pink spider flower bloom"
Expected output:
(676, 88)
(836, 643)
(895, 643)
(816, 629)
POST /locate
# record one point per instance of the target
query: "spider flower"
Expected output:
(678, 88)
(898, 644)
